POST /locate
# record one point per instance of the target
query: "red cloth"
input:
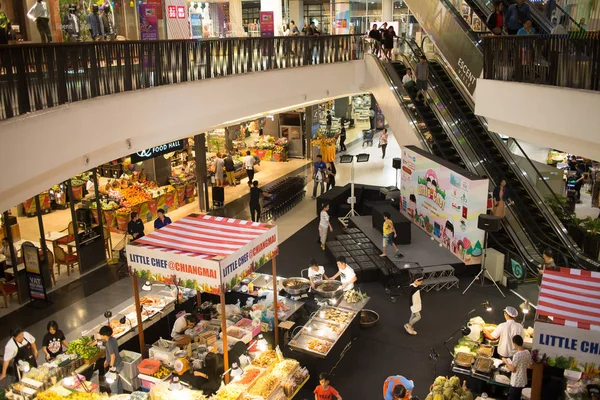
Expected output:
(499, 20)
(71, 257)
(325, 394)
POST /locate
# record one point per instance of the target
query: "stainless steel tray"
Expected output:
(323, 311)
(300, 342)
(320, 328)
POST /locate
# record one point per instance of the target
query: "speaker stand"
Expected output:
(484, 272)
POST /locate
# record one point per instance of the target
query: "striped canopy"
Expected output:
(571, 297)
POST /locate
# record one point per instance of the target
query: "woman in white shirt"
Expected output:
(346, 274)
(316, 273)
(324, 225)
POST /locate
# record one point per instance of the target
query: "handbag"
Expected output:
(410, 84)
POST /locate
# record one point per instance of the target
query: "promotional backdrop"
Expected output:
(444, 203)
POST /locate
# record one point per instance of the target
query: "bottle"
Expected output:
(464, 386)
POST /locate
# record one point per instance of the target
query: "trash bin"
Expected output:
(131, 360)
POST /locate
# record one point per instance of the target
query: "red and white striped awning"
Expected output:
(204, 236)
(571, 297)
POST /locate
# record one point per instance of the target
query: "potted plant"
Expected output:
(592, 237)
(559, 206)
(575, 230)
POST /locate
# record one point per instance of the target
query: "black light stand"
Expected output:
(465, 330)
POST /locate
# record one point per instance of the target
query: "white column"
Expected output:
(275, 6)
(387, 10)
(235, 17)
(297, 12)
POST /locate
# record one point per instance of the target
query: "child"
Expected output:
(415, 304)
(389, 233)
(316, 273)
(324, 391)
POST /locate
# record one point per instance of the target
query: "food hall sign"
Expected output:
(157, 151)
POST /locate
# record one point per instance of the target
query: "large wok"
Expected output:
(296, 286)
(329, 288)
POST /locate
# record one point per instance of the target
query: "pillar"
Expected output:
(275, 6)
(55, 21)
(297, 12)
(387, 10)
(235, 18)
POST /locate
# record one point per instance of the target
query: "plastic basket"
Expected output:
(148, 367)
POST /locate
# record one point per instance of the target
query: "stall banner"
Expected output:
(174, 267)
(249, 258)
(444, 203)
(342, 18)
(267, 24)
(555, 341)
(148, 23)
(35, 281)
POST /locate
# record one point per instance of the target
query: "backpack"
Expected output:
(394, 381)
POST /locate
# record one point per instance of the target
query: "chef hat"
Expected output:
(511, 311)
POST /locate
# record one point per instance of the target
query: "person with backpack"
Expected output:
(397, 387)
(516, 16)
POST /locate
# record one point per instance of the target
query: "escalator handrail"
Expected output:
(461, 21)
(557, 6)
(531, 260)
(547, 242)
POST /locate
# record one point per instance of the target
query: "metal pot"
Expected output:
(296, 286)
(369, 317)
(336, 285)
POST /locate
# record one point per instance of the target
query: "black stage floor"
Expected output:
(387, 349)
(422, 249)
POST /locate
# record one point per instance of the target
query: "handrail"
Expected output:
(39, 76)
(555, 60)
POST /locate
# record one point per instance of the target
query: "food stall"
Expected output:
(567, 341)
(212, 254)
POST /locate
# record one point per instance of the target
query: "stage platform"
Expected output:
(422, 250)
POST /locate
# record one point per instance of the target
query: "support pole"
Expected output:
(138, 313)
(99, 212)
(224, 335)
(275, 295)
(536, 381)
(14, 259)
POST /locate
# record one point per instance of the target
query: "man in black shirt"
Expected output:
(135, 227)
(329, 121)
(255, 194)
(376, 36)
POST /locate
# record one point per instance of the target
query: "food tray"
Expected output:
(248, 325)
(149, 367)
(302, 342)
(334, 314)
(265, 359)
(235, 334)
(265, 282)
(464, 360)
(485, 350)
(245, 380)
(483, 365)
(324, 329)
(265, 386)
(284, 369)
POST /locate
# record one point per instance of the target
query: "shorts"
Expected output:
(421, 85)
(388, 240)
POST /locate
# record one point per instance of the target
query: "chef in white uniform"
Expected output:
(506, 331)
(346, 274)
(316, 273)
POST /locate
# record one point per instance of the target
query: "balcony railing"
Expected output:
(556, 60)
(38, 76)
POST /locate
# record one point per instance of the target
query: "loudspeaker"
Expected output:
(218, 195)
(489, 223)
(397, 163)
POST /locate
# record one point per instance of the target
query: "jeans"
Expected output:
(250, 173)
(43, 26)
(383, 147)
(414, 318)
(317, 183)
(514, 393)
(255, 212)
(230, 177)
(116, 387)
(342, 143)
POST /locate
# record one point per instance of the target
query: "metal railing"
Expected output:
(38, 76)
(556, 60)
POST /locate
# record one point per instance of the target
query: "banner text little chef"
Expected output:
(173, 265)
(569, 343)
(250, 254)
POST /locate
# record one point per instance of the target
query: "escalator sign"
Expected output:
(517, 269)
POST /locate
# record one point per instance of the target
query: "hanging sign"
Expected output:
(157, 151)
(35, 280)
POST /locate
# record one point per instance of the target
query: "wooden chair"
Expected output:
(107, 242)
(7, 290)
(51, 266)
(62, 258)
(70, 237)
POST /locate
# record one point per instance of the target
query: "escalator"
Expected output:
(541, 16)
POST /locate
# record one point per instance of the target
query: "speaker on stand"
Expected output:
(218, 196)
(487, 223)
(397, 164)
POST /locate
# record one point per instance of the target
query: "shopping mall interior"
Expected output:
(427, 192)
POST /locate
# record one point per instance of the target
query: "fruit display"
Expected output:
(162, 372)
(83, 348)
(264, 386)
(448, 389)
(354, 296)
(284, 368)
(229, 392)
(265, 359)
(134, 195)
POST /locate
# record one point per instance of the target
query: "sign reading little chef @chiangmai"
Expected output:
(203, 252)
